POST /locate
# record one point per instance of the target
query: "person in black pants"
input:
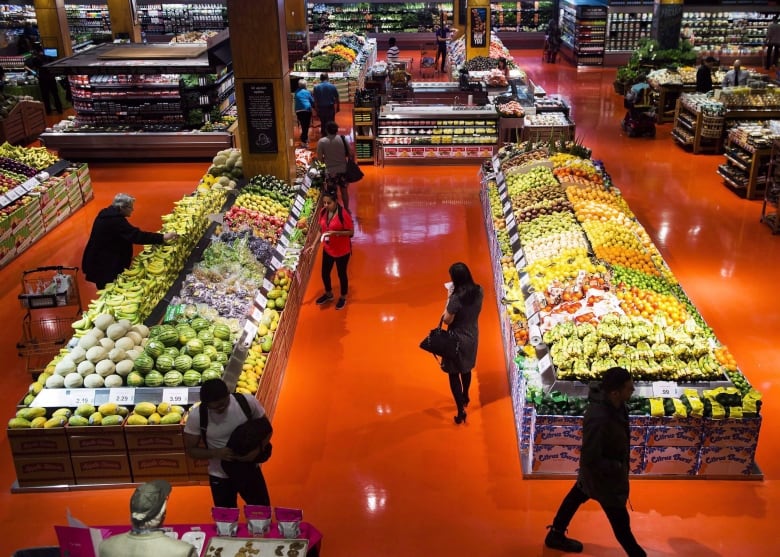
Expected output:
(337, 229)
(442, 34)
(772, 43)
(46, 80)
(604, 462)
(704, 75)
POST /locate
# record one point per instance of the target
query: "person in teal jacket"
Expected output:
(304, 103)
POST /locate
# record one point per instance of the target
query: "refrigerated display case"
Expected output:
(583, 31)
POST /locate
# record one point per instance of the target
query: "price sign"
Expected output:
(12, 195)
(665, 389)
(122, 395)
(298, 203)
(30, 184)
(267, 284)
(507, 207)
(288, 227)
(510, 220)
(496, 164)
(534, 320)
(4, 200)
(20, 191)
(74, 397)
(260, 301)
(251, 330)
(276, 263)
(217, 217)
(178, 395)
(525, 282)
(306, 182)
(530, 306)
(518, 258)
(515, 237)
(545, 363)
(284, 240)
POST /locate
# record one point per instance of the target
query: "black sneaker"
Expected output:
(558, 540)
(341, 303)
(324, 299)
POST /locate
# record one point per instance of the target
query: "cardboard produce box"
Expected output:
(726, 461)
(161, 438)
(153, 465)
(96, 439)
(34, 442)
(731, 432)
(90, 468)
(561, 459)
(44, 470)
(674, 432)
(669, 460)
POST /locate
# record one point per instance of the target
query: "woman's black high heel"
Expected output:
(460, 418)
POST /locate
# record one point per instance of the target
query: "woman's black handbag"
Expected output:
(441, 342)
(353, 173)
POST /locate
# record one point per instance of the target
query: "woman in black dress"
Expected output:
(461, 314)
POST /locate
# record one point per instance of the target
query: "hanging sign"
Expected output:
(478, 18)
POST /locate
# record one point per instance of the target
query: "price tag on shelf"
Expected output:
(306, 182)
(122, 395)
(4, 201)
(519, 259)
(298, 204)
(20, 191)
(507, 208)
(288, 227)
(284, 240)
(74, 397)
(276, 263)
(250, 331)
(30, 184)
(534, 320)
(256, 314)
(545, 363)
(260, 301)
(665, 389)
(530, 306)
(502, 189)
(12, 195)
(496, 164)
(515, 237)
(525, 282)
(176, 395)
(267, 284)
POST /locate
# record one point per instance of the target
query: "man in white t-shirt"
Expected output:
(225, 413)
(393, 52)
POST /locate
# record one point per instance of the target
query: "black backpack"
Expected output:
(247, 436)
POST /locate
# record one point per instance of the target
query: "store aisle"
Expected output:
(364, 440)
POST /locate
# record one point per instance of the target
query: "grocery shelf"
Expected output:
(133, 145)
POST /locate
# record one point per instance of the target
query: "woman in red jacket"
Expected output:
(337, 230)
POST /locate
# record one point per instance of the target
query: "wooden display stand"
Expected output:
(744, 171)
(704, 134)
(364, 124)
(24, 123)
(769, 210)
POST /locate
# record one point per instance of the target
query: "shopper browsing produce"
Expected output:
(304, 102)
(704, 75)
(147, 513)
(393, 52)
(337, 230)
(735, 76)
(109, 250)
(232, 472)
(332, 151)
(326, 102)
(461, 313)
(604, 460)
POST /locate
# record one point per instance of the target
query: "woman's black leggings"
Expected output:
(459, 385)
(341, 269)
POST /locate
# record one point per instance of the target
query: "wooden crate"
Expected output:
(24, 122)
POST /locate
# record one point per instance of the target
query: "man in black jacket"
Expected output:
(704, 75)
(109, 249)
(604, 461)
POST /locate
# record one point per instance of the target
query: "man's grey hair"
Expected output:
(123, 200)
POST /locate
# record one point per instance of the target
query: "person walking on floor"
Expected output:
(231, 473)
(442, 35)
(704, 75)
(553, 40)
(109, 250)
(461, 313)
(772, 43)
(304, 102)
(326, 102)
(604, 465)
(148, 506)
(47, 82)
(336, 229)
(333, 151)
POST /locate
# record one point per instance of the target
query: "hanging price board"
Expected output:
(122, 395)
(177, 395)
(74, 397)
(665, 389)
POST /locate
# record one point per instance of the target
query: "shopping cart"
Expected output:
(427, 60)
(49, 294)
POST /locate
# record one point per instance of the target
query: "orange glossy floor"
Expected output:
(364, 440)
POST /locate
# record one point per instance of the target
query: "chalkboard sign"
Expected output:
(261, 117)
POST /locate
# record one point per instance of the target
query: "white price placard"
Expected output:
(518, 258)
(267, 284)
(496, 164)
(122, 395)
(257, 313)
(176, 395)
(298, 203)
(284, 240)
(20, 191)
(545, 362)
(514, 238)
(74, 397)
(12, 195)
(288, 227)
(4, 200)
(530, 306)
(261, 300)
(276, 263)
(534, 320)
(251, 330)
(665, 389)
(306, 182)
(30, 184)
(510, 221)
(507, 208)
(524, 280)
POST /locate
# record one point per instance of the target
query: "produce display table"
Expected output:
(24, 123)
(308, 533)
(540, 324)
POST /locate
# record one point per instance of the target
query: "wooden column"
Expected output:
(258, 40)
(53, 25)
(124, 21)
(477, 28)
(295, 15)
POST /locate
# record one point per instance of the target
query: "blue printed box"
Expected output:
(667, 460)
(726, 461)
(636, 462)
(544, 419)
(731, 433)
(674, 432)
(558, 435)
(561, 459)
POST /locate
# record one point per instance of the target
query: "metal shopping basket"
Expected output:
(49, 294)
